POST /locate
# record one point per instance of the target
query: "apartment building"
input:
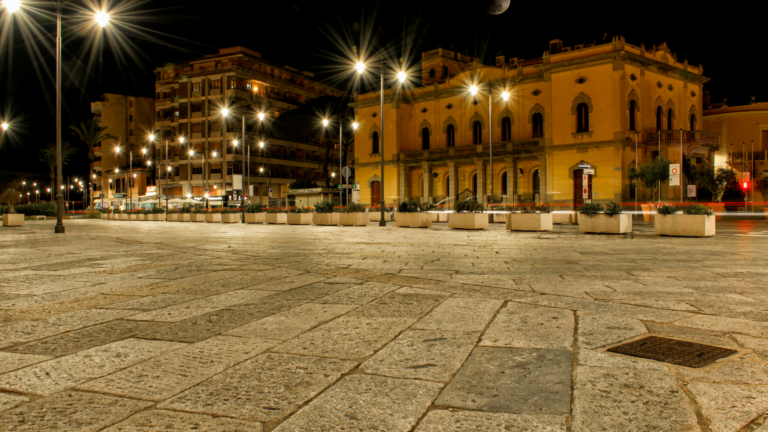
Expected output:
(563, 128)
(202, 108)
(119, 180)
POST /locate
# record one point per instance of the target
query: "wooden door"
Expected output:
(578, 185)
(376, 193)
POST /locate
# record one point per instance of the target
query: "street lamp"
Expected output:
(473, 89)
(12, 5)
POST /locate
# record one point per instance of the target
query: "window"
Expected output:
(537, 122)
(215, 170)
(450, 136)
(375, 139)
(197, 170)
(506, 129)
(130, 117)
(248, 86)
(670, 119)
(477, 132)
(632, 110)
(658, 118)
(130, 132)
(130, 104)
(425, 139)
(504, 183)
(693, 122)
(197, 87)
(233, 84)
(582, 118)
(215, 85)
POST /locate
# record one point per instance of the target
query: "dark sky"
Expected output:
(316, 35)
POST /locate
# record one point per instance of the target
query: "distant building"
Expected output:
(573, 111)
(744, 132)
(130, 119)
(190, 97)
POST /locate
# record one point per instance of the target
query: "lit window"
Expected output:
(196, 87)
(232, 84)
(215, 85)
(248, 87)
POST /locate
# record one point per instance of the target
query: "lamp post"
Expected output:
(504, 95)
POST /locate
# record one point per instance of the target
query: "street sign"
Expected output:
(691, 191)
(346, 186)
(674, 174)
(746, 176)
(585, 165)
(590, 171)
(585, 183)
(346, 172)
(270, 192)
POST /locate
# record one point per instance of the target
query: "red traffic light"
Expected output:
(745, 185)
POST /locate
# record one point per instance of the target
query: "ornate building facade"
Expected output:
(574, 111)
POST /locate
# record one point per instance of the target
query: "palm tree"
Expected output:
(91, 133)
(48, 156)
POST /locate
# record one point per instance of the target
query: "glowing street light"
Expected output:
(235, 143)
(355, 125)
(360, 67)
(505, 95)
(261, 116)
(5, 126)
(12, 5)
(325, 122)
(401, 76)
(102, 18)
(225, 112)
(473, 89)
(261, 144)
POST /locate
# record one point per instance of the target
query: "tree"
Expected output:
(761, 184)
(732, 191)
(650, 173)
(91, 133)
(10, 197)
(48, 156)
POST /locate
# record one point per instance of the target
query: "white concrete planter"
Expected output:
(329, 219)
(375, 215)
(529, 222)
(353, 219)
(122, 216)
(439, 217)
(114, 216)
(471, 221)
(133, 217)
(104, 216)
(565, 217)
(276, 218)
(498, 217)
(197, 217)
(230, 218)
(254, 218)
(602, 224)
(173, 217)
(683, 225)
(13, 220)
(299, 219)
(413, 220)
(184, 217)
(765, 210)
(159, 217)
(213, 217)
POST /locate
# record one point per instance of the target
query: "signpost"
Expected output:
(346, 186)
(674, 174)
(691, 191)
(585, 186)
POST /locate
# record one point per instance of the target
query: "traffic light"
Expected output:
(745, 185)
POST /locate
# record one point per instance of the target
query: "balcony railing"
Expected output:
(516, 146)
(747, 157)
(688, 137)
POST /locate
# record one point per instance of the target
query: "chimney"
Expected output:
(752, 101)
(555, 46)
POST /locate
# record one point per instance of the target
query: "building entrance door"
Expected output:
(376, 193)
(578, 187)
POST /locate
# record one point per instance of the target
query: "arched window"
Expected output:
(582, 118)
(632, 109)
(425, 139)
(670, 119)
(450, 136)
(693, 122)
(537, 121)
(375, 139)
(474, 184)
(658, 118)
(504, 183)
(477, 132)
(506, 129)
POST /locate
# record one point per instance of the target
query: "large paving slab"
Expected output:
(730, 407)
(265, 388)
(170, 421)
(460, 314)
(11, 361)
(292, 323)
(462, 421)
(364, 403)
(29, 331)
(528, 326)
(512, 380)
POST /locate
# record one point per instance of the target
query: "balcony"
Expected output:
(688, 137)
(97, 150)
(500, 148)
(747, 157)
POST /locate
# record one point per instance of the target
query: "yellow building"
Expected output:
(744, 132)
(130, 119)
(575, 108)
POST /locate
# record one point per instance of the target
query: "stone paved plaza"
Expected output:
(154, 326)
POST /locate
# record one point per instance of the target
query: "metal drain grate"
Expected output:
(673, 351)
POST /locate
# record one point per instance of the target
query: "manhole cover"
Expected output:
(673, 351)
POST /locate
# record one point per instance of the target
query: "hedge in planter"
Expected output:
(213, 217)
(409, 215)
(299, 216)
(10, 218)
(374, 215)
(197, 215)
(696, 220)
(354, 215)
(230, 216)
(254, 214)
(324, 214)
(276, 217)
(468, 215)
(533, 218)
(611, 220)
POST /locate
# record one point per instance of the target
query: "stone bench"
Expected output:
(37, 217)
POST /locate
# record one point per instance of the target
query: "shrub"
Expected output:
(324, 207)
(255, 208)
(302, 183)
(543, 208)
(612, 208)
(667, 210)
(468, 206)
(409, 207)
(300, 210)
(355, 208)
(157, 210)
(92, 215)
(186, 210)
(428, 207)
(10, 198)
(44, 209)
(698, 209)
(230, 211)
(590, 209)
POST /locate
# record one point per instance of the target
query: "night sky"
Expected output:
(315, 36)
